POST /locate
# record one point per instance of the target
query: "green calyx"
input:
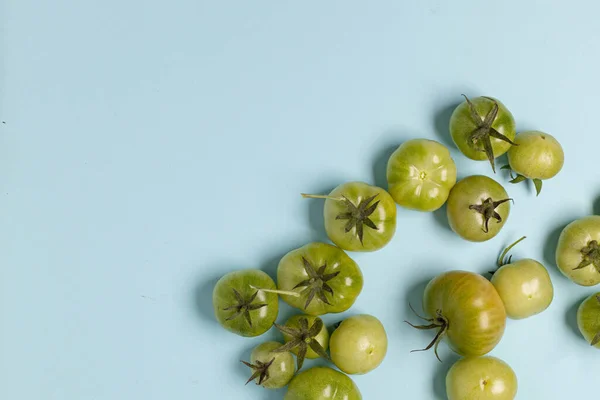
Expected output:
(356, 215)
(260, 371)
(439, 322)
(316, 284)
(488, 209)
(520, 178)
(303, 338)
(243, 307)
(591, 255)
(481, 136)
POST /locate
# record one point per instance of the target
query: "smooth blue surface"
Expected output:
(149, 147)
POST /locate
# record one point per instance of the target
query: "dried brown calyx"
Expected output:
(488, 209)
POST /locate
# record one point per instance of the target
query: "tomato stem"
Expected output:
(321, 196)
(276, 291)
(502, 261)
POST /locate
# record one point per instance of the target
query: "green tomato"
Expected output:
(420, 174)
(588, 319)
(578, 251)
(306, 336)
(240, 304)
(324, 278)
(358, 216)
(271, 369)
(322, 383)
(467, 312)
(482, 128)
(481, 378)
(359, 344)
(472, 203)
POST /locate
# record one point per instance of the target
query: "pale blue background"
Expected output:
(149, 147)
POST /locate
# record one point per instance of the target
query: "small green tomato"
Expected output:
(270, 369)
(536, 156)
(588, 319)
(322, 383)
(472, 203)
(306, 336)
(524, 286)
(359, 344)
(358, 216)
(578, 251)
(481, 378)
(420, 174)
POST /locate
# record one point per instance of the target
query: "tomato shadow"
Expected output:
(441, 218)
(552, 241)
(439, 379)
(380, 162)
(596, 206)
(571, 317)
(441, 120)
(314, 209)
(202, 295)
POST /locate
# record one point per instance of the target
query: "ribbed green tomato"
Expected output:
(588, 319)
(324, 277)
(537, 155)
(420, 174)
(358, 216)
(322, 383)
(578, 251)
(482, 128)
(359, 344)
(241, 306)
(473, 203)
(466, 310)
(481, 378)
(270, 369)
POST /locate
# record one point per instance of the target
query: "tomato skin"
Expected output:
(525, 288)
(384, 217)
(573, 239)
(282, 368)
(462, 126)
(588, 319)
(322, 337)
(474, 310)
(346, 286)
(481, 378)
(223, 296)
(322, 383)
(420, 174)
(359, 344)
(467, 223)
(537, 155)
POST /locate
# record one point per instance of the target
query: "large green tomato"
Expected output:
(524, 286)
(358, 216)
(481, 378)
(241, 306)
(359, 344)
(324, 278)
(477, 208)
(272, 370)
(467, 312)
(420, 174)
(322, 383)
(578, 251)
(482, 128)
(588, 319)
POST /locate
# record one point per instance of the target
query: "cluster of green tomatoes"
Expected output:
(467, 310)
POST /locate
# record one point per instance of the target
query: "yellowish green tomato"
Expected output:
(524, 286)
(271, 369)
(477, 208)
(323, 277)
(358, 216)
(322, 383)
(578, 251)
(481, 378)
(244, 302)
(359, 344)
(420, 174)
(588, 319)
(306, 336)
(482, 128)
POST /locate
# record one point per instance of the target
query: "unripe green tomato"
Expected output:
(481, 378)
(359, 344)
(420, 174)
(525, 288)
(322, 337)
(322, 383)
(278, 368)
(578, 251)
(537, 155)
(588, 319)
